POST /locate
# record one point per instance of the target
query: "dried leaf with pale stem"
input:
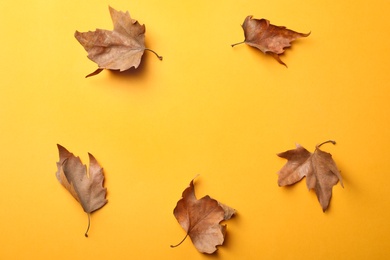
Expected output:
(119, 49)
(200, 219)
(88, 189)
(319, 168)
(268, 38)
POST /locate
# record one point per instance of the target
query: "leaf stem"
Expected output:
(237, 43)
(158, 56)
(180, 242)
(329, 141)
(89, 224)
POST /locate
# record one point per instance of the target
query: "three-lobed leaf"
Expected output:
(119, 49)
(318, 167)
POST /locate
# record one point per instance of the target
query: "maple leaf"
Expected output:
(268, 38)
(88, 189)
(319, 168)
(119, 49)
(201, 218)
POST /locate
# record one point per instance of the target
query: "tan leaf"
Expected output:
(88, 189)
(201, 220)
(119, 49)
(268, 38)
(319, 168)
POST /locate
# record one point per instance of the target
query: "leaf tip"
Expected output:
(94, 73)
(92, 158)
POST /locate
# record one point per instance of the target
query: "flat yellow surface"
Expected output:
(208, 109)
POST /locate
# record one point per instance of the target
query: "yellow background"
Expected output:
(206, 109)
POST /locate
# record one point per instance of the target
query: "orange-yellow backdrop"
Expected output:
(206, 109)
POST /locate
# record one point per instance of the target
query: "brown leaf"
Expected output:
(201, 218)
(268, 38)
(119, 49)
(88, 189)
(319, 168)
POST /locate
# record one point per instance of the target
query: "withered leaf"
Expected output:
(268, 38)
(88, 189)
(119, 49)
(319, 168)
(201, 220)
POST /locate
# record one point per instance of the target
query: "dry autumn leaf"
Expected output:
(268, 38)
(119, 49)
(200, 219)
(319, 168)
(88, 189)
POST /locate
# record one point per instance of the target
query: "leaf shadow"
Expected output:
(140, 78)
(348, 183)
(138, 72)
(291, 187)
(266, 58)
(344, 173)
(269, 56)
(215, 255)
(228, 241)
(295, 47)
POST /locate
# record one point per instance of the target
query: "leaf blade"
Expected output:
(319, 169)
(268, 38)
(201, 219)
